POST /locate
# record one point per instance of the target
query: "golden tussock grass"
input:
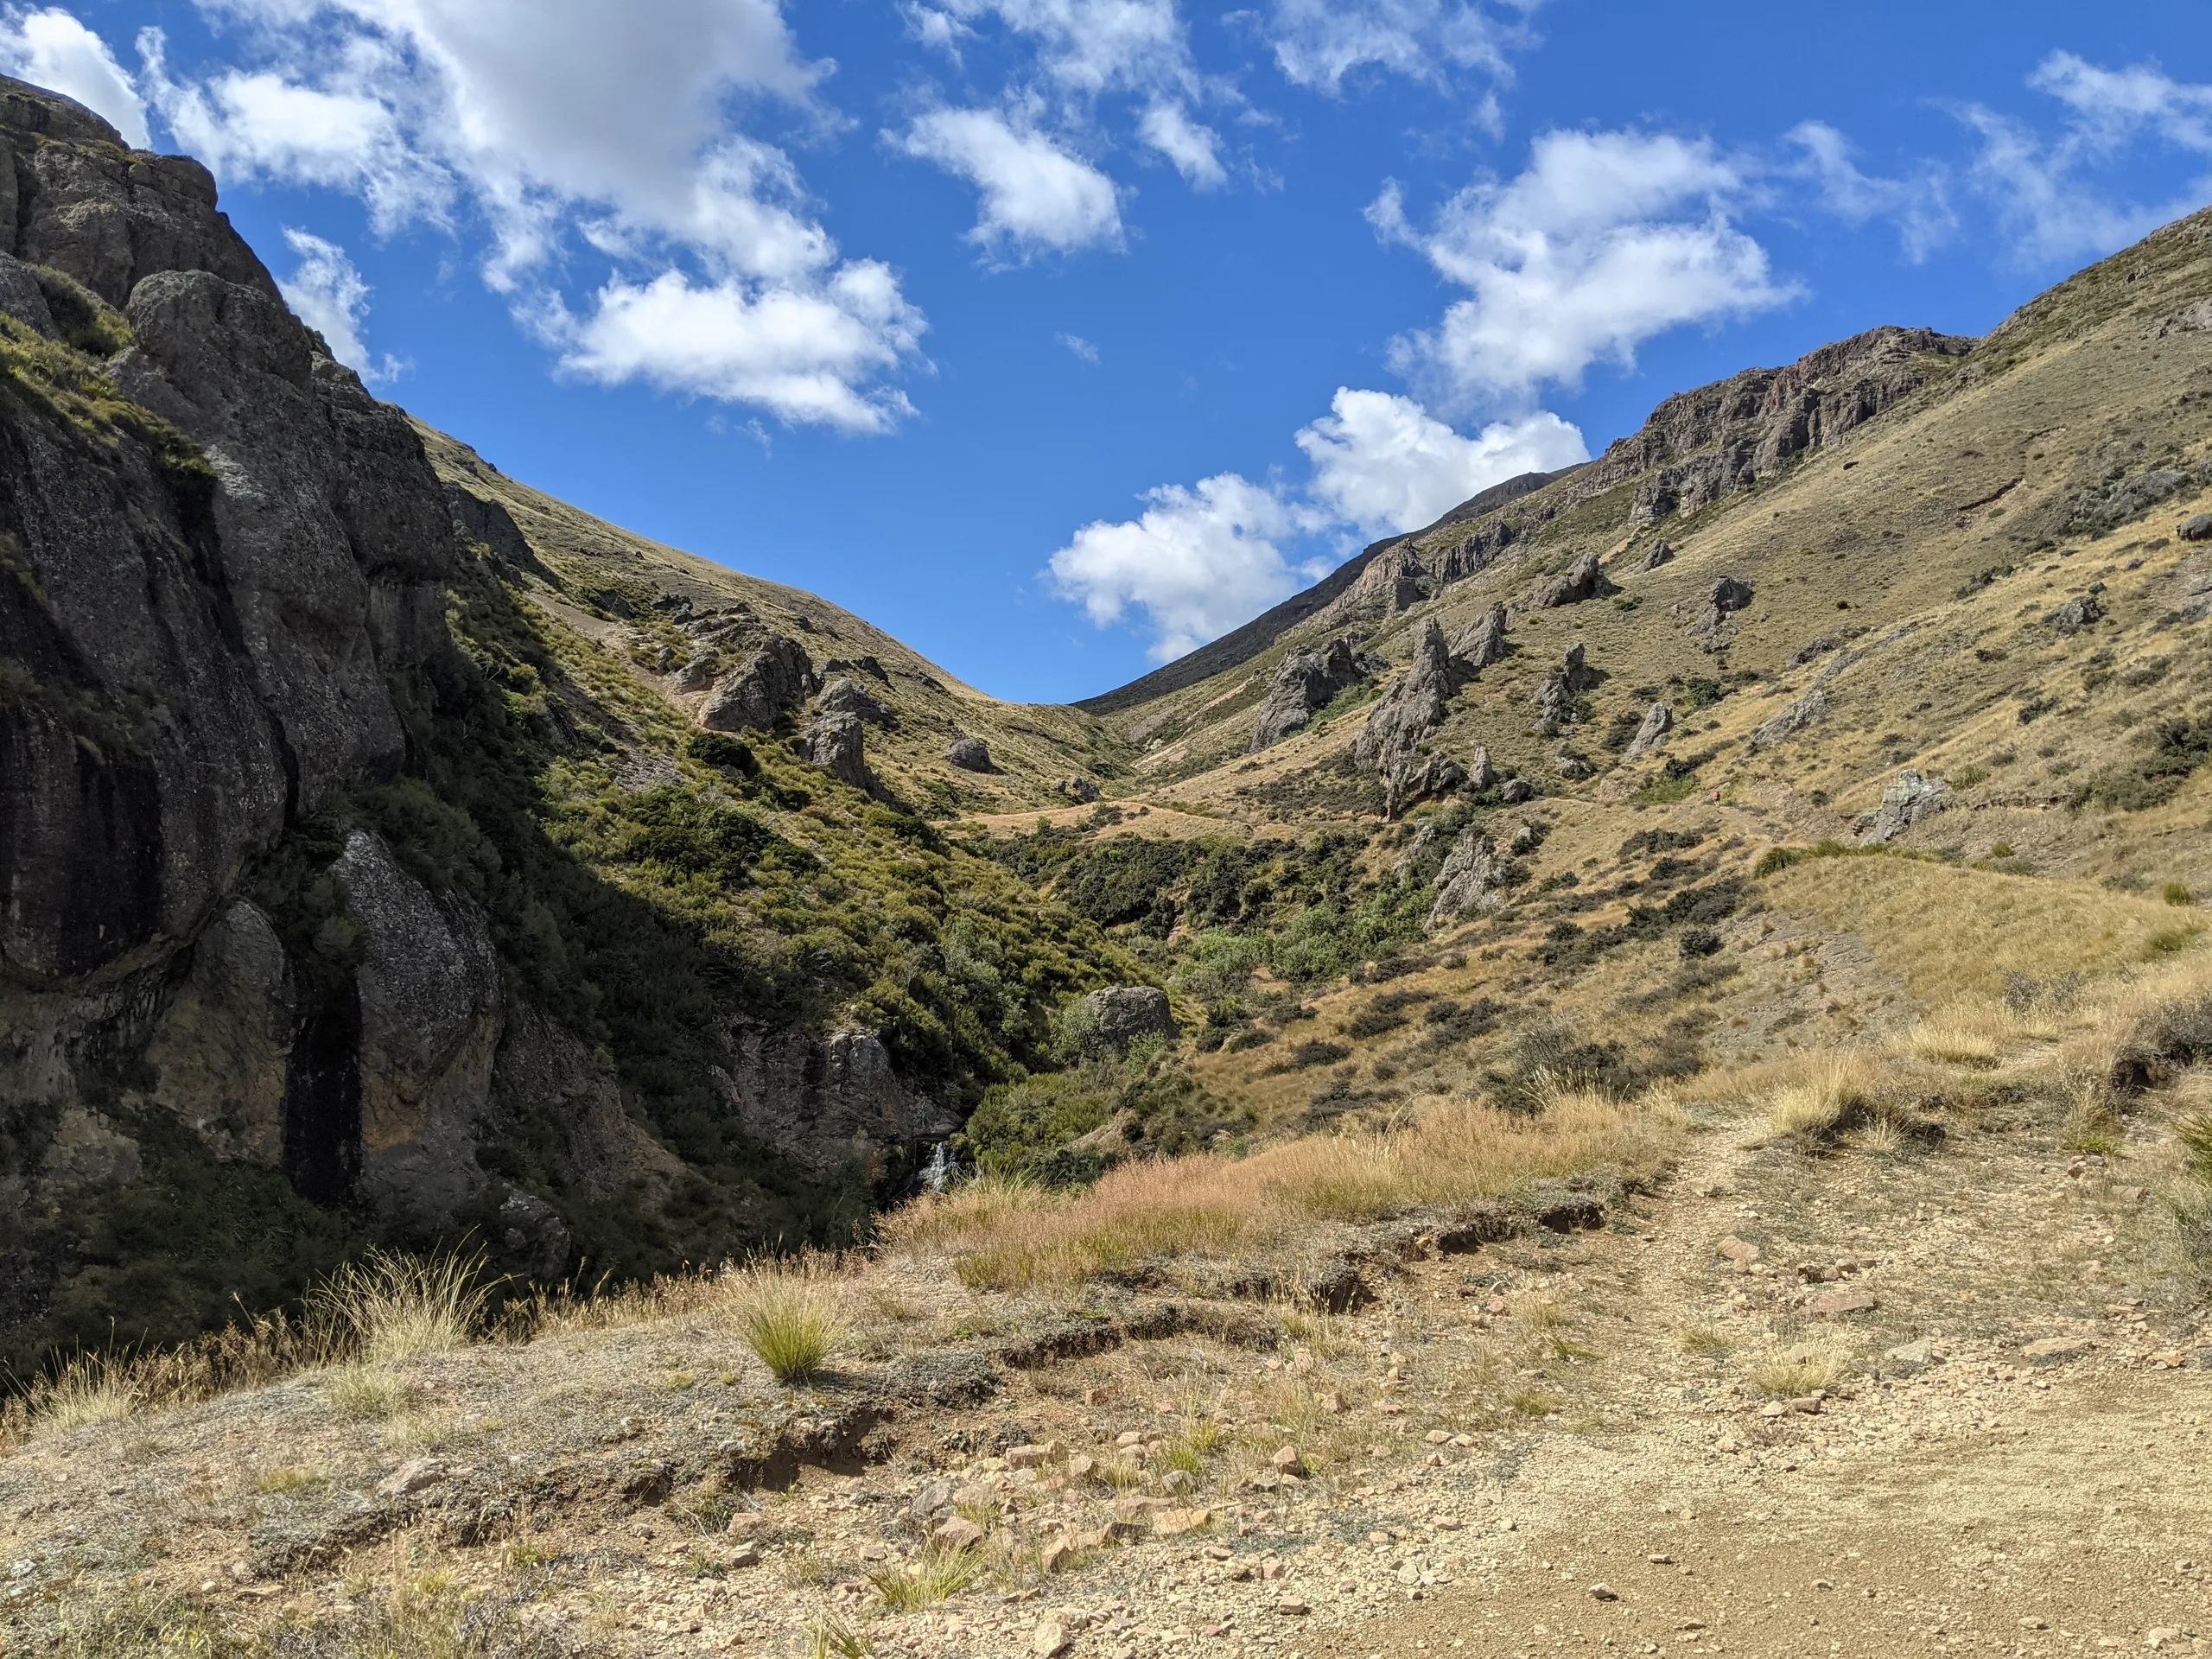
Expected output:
(1956, 931)
(387, 1307)
(1004, 1235)
(1801, 1368)
(790, 1311)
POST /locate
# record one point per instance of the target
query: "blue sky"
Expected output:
(1055, 336)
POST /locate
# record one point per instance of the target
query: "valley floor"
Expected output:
(2008, 1456)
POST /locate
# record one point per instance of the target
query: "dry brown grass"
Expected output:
(1801, 1368)
(1004, 1235)
(1827, 1094)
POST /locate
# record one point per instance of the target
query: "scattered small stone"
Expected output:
(411, 1475)
(1741, 1251)
(1173, 1523)
(1331, 1402)
(1287, 1461)
(2052, 1349)
(1832, 1303)
(1050, 1640)
(1291, 1606)
(745, 1554)
(958, 1534)
(1604, 1593)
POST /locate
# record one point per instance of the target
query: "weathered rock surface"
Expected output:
(431, 1017)
(1411, 710)
(1305, 684)
(1555, 696)
(1116, 1016)
(1662, 552)
(1658, 720)
(1465, 886)
(1729, 595)
(1699, 445)
(1909, 798)
(837, 743)
(970, 755)
(1415, 778)
(2080, 612)
(1481, 643)
(1792, 719)
(840, 695)
(1582, 580)
(770, 682)
(828, 1101)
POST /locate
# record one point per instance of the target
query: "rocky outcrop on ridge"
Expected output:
(1305, 684)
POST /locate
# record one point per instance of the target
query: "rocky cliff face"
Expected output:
(343, 893)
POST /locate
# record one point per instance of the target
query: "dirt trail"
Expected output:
(1965, 1498)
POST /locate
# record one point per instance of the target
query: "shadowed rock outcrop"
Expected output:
(1307, 682)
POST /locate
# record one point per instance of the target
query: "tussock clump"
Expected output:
(1829, 1097)
(389, 1307)
(790, 1315)
(1801, 1368)
(93, 1388)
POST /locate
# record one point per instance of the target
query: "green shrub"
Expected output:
(2177, 893)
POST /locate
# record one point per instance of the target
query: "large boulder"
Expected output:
(1467, 882)
(836, 744)
(1117, 1016)
(840, 695)
(430, 1016)
(1556, 694)
(1729, 595)
(1480, 644)
(1909, 799)
(828, 1101)
(772, 680)
(1308, 681)
(970, 755)
(1582, 580)
(1658, 720)
(1791, 721)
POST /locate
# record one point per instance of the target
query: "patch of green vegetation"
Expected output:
(1026, 1129)
(2174, 748)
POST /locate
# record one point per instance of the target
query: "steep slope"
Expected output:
(392, 853)
(1914, 596)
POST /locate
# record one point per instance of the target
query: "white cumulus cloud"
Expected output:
(1919, 204)
(1036, 197)
(1605, 241)
(1382, 463)
(801, 353)
(553, 124)
(1194, 149)
(51, 48)
(1089, 46)
(1197, 561)
(1317, 43)
(325, 290)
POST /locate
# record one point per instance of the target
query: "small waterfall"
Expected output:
(940, 1169)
